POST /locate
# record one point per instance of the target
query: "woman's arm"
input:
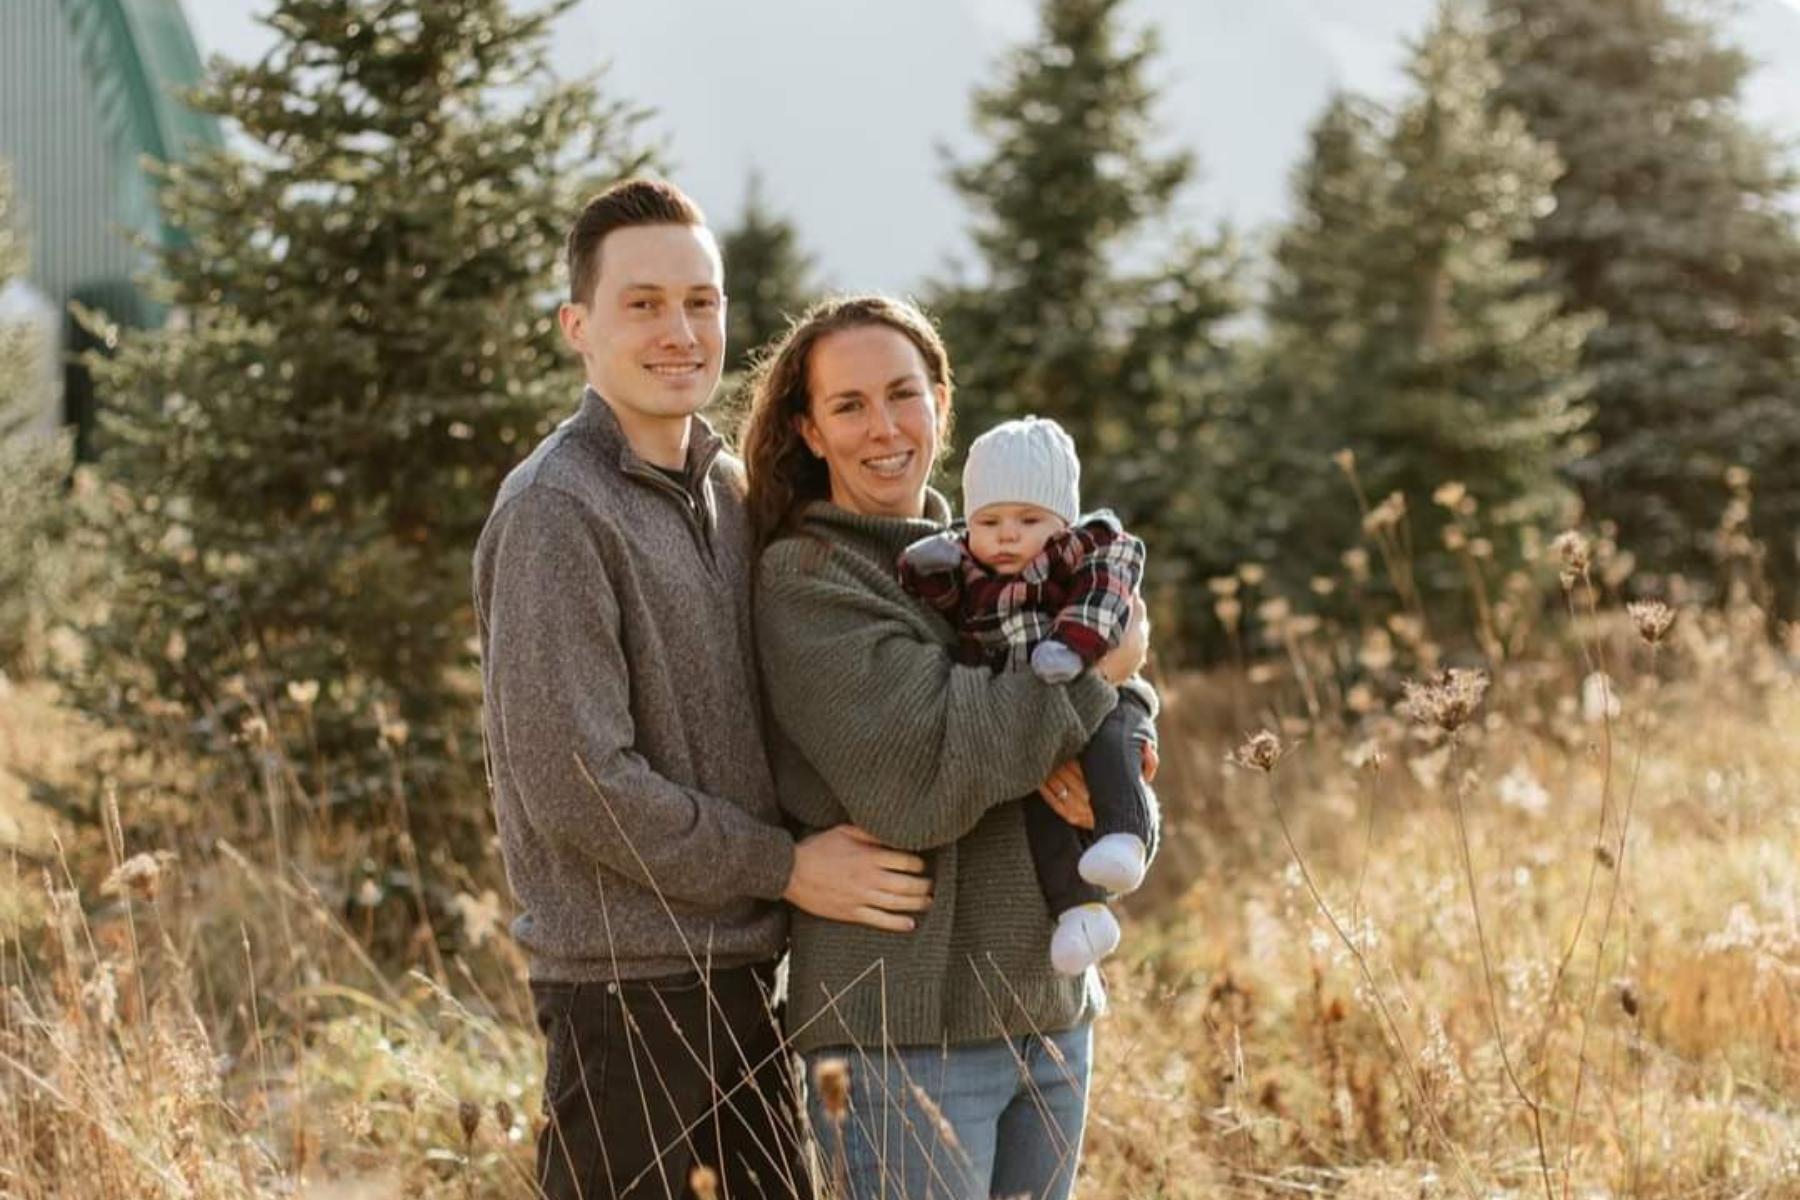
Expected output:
(915, 747)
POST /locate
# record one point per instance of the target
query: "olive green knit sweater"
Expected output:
(876, 724)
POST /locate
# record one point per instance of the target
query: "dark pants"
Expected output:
(1113, 761)
(647, 1079)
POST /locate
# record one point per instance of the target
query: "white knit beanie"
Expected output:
(1028, 461)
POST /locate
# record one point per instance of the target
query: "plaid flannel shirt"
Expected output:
(1076, 591)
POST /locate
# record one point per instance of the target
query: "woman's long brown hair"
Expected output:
(782, 471)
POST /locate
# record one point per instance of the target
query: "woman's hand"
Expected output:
(1152, 762)
(1066, 792)
(1127, 658)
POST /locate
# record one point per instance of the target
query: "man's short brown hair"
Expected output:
(625, 204)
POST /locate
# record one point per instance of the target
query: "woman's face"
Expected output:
(872, 415)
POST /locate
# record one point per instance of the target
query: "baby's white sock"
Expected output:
(1115, 862)
(1084, 935)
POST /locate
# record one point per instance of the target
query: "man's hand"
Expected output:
(1066, 792)
(1127, 658)
(843, 874)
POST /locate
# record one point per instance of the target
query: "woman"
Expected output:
(967, 1054)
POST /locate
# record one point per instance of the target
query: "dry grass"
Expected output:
(1613, 1006)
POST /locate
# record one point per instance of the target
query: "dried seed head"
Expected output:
(468, 1115)
(940, 1124)
(1389, 513)
(832, 1077)
(703, 1181)
(304, 692)
(1572, 546)
(1223, 585)
(1366, 755)
(1447, 701)
(139, 876)
(1252, 573)
(1345, 459)
(1450, 495)
(1652, 618)
(1229, 612)
(503, 1115)
(1260, 752)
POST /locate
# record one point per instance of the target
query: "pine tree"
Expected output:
(769, 275)
(1670, 222)
(299, 466)
(1403, 319)
(1131, 362)
(33, 466)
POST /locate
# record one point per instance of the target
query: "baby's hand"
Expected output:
(934, 554)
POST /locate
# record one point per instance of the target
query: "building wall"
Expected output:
(75, 202)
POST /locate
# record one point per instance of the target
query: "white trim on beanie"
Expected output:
(1027, 461)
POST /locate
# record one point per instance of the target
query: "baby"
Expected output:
(1032, 585)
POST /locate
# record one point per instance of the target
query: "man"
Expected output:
(635, 806)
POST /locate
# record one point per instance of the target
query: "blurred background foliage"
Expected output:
(1557, 282)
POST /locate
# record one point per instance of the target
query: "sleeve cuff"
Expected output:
(1092, 698)
(773, 866)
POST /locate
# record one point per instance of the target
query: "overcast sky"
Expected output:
(842, 104)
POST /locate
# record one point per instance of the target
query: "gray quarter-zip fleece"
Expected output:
(613, 607)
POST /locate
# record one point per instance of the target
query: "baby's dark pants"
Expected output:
(1113, 761)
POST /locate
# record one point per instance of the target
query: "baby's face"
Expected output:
(1004, 537)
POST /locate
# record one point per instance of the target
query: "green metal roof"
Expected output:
(135, 53)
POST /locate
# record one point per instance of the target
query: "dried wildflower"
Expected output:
(1252, 573)
(1356, 561)
(1652, 618)
(703, 1181)
(1377, 651)
(832, 1077)
(1366, 755)
(1449, 495)
(503, 1115)
(1259, 752)
(1572, 546)
(1387, 514)
(1223, 585)
(1447, 701)
(1737, 478)
(1455, 538)
(1322, 585)
(1273, 611)
(1229, 612)
(468, 1116)
(393, 730)
(139, 876)
(1345, 459)
(304, 692)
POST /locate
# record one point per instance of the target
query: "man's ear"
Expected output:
(572, 319)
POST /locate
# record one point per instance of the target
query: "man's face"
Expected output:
(652, 336)
(1006, 537)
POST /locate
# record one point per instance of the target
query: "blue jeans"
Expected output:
(994, 1118)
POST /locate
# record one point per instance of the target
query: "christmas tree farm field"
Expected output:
(1534, 932)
